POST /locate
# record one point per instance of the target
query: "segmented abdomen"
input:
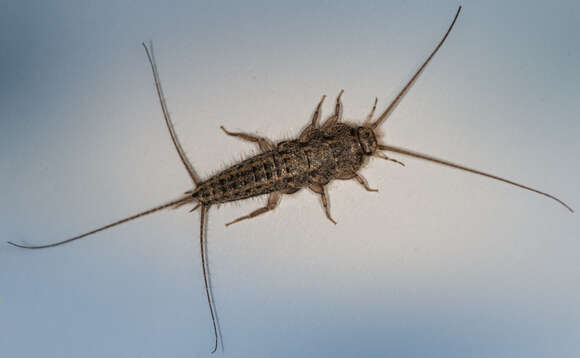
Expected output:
(262, 174)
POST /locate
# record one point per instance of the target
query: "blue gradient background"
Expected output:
(439, 263)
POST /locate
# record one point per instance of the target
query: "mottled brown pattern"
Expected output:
(319, 156)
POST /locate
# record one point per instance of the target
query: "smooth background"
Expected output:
(438, 263)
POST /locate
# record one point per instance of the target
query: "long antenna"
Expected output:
(461, 167)
(177, 202)
(402, 93)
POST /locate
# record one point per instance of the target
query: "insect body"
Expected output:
(318, 156)
(323, 152)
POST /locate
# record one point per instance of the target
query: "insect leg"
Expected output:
(318, 188)
(337, 111)
(370, 116)
(315, 118)
(364, 183)
(264, 143)
(172, 133)
(316, 114)
(383, 156)
(338, 106)
(273, 201)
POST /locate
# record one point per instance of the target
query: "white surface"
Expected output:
(438, 262)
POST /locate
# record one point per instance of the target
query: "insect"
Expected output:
(323, 152)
